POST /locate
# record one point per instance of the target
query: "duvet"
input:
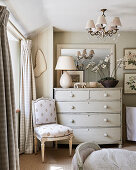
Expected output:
(90, 156)
(111, 159)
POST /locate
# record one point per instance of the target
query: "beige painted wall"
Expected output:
(44, 40)
(127, 39)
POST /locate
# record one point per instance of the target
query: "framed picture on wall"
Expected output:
(130, 58)
(77, 76)
(130, 83)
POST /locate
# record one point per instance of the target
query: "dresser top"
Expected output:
(81, 89)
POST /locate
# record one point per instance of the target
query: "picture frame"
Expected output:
(129, 83)
(77, 76)
(130, 59)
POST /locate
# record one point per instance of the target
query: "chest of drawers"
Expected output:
(95, 114)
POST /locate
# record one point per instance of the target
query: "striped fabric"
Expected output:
(9, 157)
(27, 94)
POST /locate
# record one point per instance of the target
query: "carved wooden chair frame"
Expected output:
(45, 139)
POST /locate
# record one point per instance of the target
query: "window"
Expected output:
(15, 48)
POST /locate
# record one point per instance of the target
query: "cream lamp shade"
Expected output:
(78, 53)
(65, 63)
(91, 52)
(98, 29)
(90, 24)
(101, 21)
(116, 22)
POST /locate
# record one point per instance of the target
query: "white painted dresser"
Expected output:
(95, 114)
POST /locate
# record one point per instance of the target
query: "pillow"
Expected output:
(111, 159)
(45, 111)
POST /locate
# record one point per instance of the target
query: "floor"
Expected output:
(55, 159)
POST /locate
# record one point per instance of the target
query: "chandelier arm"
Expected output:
(115, 31)
(110, 33)
(92, 33)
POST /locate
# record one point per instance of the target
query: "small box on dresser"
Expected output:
(95, 114)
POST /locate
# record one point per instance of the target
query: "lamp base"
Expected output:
(65, 80)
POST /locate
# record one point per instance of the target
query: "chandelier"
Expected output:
(84, 54)
(100, 29)
(82, 58)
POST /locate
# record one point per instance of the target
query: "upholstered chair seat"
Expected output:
(45, 124)
(53, 131)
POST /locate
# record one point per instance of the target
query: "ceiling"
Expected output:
(70, 15)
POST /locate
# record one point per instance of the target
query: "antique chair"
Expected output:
(45, 124)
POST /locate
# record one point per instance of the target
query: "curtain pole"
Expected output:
(15, 31)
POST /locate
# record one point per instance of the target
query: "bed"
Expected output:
(89, 156)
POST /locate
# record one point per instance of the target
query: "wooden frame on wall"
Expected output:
(77, 76)
(129, 83)
(130, 58)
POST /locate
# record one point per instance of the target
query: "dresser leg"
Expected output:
(56, 145)
(120, 146)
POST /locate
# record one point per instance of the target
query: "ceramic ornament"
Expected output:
(40, 64)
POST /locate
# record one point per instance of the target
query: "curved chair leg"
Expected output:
(35, 144)
(42, 149)
(70, 146)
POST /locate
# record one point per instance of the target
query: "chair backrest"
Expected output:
(44, 111)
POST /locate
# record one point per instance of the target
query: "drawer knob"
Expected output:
(105, 107)
(72, 95)
(105, 94)
(72, 121)
(105, 120)
(105, 135)
(73, 107)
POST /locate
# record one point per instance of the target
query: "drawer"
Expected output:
(98, 135)
(105, 95)
(108, 107)
(71, 95)
(89, 120)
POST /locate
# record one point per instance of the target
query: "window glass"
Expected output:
(15, 48)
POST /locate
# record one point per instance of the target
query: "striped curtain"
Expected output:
(9, 155)
(27, 94)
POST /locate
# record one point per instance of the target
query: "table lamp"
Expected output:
(65, 63)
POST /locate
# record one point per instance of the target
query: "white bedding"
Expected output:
(111, 159)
